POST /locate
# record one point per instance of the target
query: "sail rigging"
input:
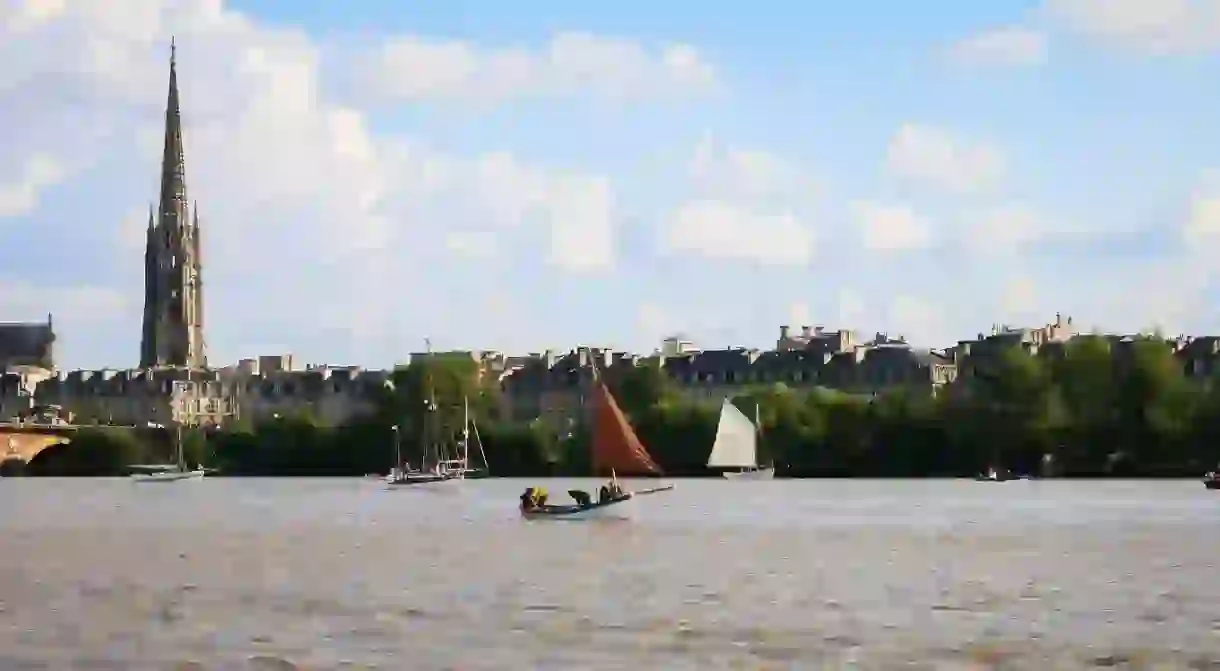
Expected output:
(616, 447)
(736, 443)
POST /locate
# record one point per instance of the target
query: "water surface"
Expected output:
(246, 573)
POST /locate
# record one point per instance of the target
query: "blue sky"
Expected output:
(545, 174)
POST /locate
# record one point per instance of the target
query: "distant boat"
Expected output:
(616, 449)
(433, 470)
(995, 475)
(460, 467)
(1212, 480)
(736, 445)
(168, 472)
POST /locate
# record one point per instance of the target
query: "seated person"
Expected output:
(580, 497)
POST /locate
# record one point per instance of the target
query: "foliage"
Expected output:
(101, 451)
(1092, 408)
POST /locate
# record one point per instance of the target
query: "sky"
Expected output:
(547, 174)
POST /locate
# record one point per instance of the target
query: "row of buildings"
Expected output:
(548, 385)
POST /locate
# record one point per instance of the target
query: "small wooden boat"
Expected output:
(616, 449)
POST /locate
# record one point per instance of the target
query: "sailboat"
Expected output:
(460, 467)
(435, 473)
(736, 445)
(400, 476)
(169, 472)
(994, 474)
(616, 449)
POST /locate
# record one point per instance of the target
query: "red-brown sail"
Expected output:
(616, 448)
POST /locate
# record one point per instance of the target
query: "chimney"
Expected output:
(806, 331)
(1058, 319)
(783, 332)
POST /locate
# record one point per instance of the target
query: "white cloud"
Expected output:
(745, 204)
(919, 320)
(1007, 229)
(1019, 300)
(1012, 46)
(1152, 26)
(23, 301)
(309, 218)
(744, 174)
(411, 68)
(939, 158)
(799, 314)
(851, 308)
(472, 244)
(891, 227)
(720, 230)
(1203, 219)
(20, 196)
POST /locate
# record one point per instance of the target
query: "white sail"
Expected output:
(736, 443)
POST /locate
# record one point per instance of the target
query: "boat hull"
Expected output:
(1212, 484)
(415, 479)
(619, 509)
(169, 476)
(754, 474)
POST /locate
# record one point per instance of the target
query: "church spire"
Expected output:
(173, 159)
(173, 303)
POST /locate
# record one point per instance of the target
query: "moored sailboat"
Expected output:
(432, 462)
(616, 449)
(461, 467)
(169, 472)
(736, 445)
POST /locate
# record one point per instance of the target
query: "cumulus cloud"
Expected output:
(1008, 46)
(1151, 26)
(721, 230)
(317, 229)
(745, 205)
(942, 159)
(20, 196)
(891, 227)
(1003, 230)
(412, 68)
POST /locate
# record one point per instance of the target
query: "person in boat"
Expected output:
(580, 496)
(527, 499)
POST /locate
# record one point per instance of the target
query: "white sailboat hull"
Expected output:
(168, 476)
(752, 474)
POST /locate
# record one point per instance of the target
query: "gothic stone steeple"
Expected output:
(173, 278)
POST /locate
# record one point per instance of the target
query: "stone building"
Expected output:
(172, 333)
(979, 355)
(555, 387)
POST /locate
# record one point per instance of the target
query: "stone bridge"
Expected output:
(23, 441)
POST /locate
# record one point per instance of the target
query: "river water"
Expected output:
(323, 574)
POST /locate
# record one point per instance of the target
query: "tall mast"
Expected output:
(465, 432)
(430, 424)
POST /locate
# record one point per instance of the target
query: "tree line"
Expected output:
(1091, 408)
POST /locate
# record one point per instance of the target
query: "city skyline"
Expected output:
(559, 176)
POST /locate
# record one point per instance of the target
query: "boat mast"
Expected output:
(465, 432)
(397, 452)
(429, 427)
(757, 434)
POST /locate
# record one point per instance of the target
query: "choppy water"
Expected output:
(320, 574)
